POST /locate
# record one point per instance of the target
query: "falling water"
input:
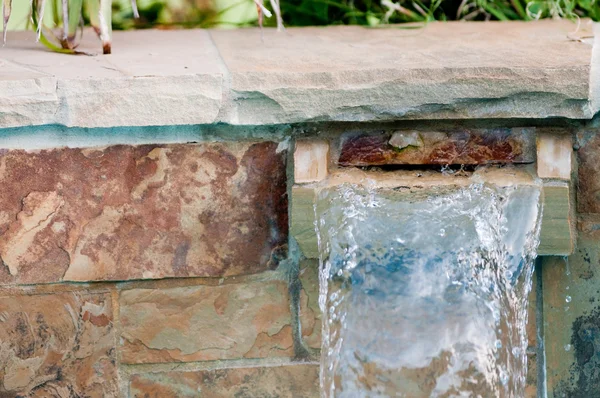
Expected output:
(426, 297)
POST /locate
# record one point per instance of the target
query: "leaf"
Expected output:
(75, 7)
(38, 20)
(277, 11)
(65, 19)
(105, 18)
(134, 8)
(6, 10)
(93, 8)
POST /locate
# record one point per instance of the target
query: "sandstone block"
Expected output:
(133, 212)
(202, 323)
(57, 345)
(449, 70)
(169, 82)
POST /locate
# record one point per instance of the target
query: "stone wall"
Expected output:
(169, 270)
(180, 254)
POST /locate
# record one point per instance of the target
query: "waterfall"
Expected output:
(425, 295)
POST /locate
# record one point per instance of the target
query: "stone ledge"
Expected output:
(442, 71)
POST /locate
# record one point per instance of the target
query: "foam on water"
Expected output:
(426, 297)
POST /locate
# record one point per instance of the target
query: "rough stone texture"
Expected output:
(588, 183)
(57, 345)
(554, 156)
(203, 323)
(446, 70)
(129, 212)
(299, 381)
(572, 318)
(310, 313)
(152, 78)
(453, 147)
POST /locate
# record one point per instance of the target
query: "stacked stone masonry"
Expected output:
(156, 220)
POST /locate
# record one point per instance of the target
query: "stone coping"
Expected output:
(452, 70)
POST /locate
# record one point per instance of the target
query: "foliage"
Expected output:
(374, 12)
(59, 33)
(380, 12)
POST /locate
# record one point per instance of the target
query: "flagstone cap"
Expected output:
(450, 70)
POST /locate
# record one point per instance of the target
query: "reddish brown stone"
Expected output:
(203, 323)
(130, 212)
(467, 147)
(588, 184)
(301, 381)
(57, 345)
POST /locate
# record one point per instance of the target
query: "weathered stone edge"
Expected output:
(212, 99)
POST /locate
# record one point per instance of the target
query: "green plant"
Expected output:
(60, 33)
(380, 12)
(67, 21)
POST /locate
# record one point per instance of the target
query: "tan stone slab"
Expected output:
(571, 319)
(445, 70)
(132, 212)
(451, 70)
(57, 345)
(204, 323)
(25, 94)
(298, 381)
(152, 78)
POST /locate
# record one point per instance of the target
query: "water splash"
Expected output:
(426, 296)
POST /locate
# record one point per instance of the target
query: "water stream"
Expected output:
(426, 296)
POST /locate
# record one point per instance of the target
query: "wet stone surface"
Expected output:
(203, 323)
(572, 319)
(531, 382)
(57, 345)
(469, 147)
(137, 212)
(298, 381)
(588, 182)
